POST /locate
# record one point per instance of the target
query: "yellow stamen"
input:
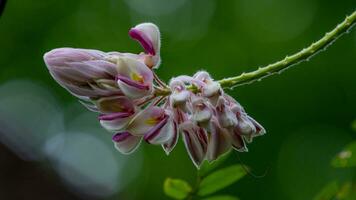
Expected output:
(137, 77)
(151, 121)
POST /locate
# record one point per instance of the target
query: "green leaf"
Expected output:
(176, 188)
(328, 192)
(208, 167)
(221, 179)
(347, 157)
(345, 191)
(222, 197)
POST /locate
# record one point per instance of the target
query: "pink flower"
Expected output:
(153, 124)
(122, 88)
(148, 35)
(134, 78)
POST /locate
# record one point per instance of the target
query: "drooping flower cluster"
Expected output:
(122, 88)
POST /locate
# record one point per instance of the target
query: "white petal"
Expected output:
(159, 134)
(128, 144)
(145, 120)
(115, 124)
(172, 142)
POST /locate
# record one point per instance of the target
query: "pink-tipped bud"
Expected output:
(148, 35)
(81, 70)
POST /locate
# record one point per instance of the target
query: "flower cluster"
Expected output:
(122, 88)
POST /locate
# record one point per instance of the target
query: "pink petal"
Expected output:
(78, 69)
(125, 142)
(196, 142)
(148, 35)
(143, 39)
(219, 141)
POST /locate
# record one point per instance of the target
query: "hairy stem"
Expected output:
(281, 65)
(296, 58)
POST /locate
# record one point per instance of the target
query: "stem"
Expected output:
(195, 189)
(296, 58)
(281, 65)
(158, 80)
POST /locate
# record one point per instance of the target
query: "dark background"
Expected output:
(52, 148)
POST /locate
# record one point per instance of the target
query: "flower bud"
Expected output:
(210, 89)
(224, 114)
(78, 70)
(180, 95)
(148, 35)
(201, 111)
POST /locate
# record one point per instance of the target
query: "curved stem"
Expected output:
(281, 65)
(296, 58)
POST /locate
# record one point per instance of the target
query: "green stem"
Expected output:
(195, 189)
(281, 65)
(296, 58)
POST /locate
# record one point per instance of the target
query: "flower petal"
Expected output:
(201, 112)
(115, 104)
(126, 143)
(78, 69)
(259, 128)
(224, 114)
(134, 78)
(161, 132)
(238, 142)
(171, 143)
(115, 121)
(148, 35)
(245, 126)
(146, 120)
(211, 87)
(195, 141)
(219, 141)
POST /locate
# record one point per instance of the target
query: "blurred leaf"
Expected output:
(346, 158)
(222, 197)
(208, 167)
(220, 179)
(328, 192)
(176, 188)
(345, 191)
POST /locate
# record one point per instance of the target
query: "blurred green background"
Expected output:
(52, 148)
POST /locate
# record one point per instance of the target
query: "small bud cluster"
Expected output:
(122, 87)
(211, 122)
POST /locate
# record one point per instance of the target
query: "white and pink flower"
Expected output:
(127, 94)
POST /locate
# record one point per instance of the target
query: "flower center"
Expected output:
(136, 77)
